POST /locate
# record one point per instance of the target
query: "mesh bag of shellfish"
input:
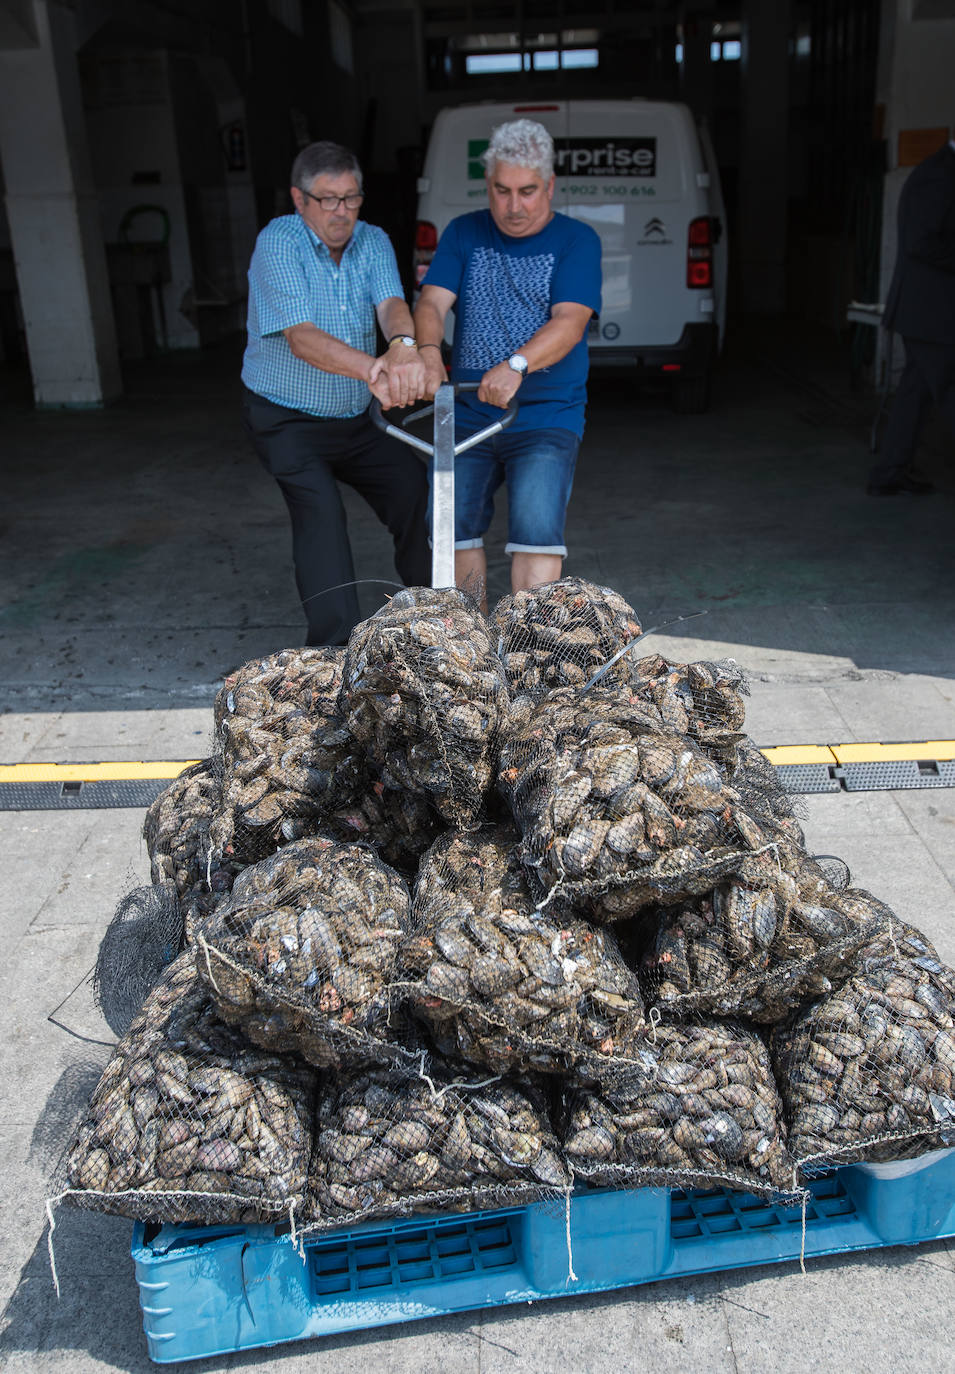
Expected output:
(616, 813)
(189, 1122)
(867, 1072)
(176, 826)
(426, 695)
(392, 1142)
(306, 679)
(703, 700)
(559, 634)
(702, 1110)
(750, 772)
(143, 936)
(176, 832)
(399, 825)
(302, 955)
(504, 985)
(284, 752)
(758, 948)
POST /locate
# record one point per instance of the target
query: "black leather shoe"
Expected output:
(906, 484)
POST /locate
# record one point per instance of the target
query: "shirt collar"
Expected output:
(322, 248)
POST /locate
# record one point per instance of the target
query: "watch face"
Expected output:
(517, 362)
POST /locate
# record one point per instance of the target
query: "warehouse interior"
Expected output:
(144, 144)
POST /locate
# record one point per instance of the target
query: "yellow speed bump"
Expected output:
(799, 753)
(90, 772)
(931, 750)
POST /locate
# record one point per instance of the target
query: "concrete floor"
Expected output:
(145, 553)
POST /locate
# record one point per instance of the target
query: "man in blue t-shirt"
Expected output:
(523, 282)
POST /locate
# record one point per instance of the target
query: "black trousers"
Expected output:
(929, 376)
(308, 457)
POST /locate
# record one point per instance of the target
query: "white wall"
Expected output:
(921, 81)
(132, 131)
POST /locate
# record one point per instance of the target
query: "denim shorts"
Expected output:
(538, 467)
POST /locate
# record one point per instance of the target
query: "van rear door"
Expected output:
(628, 168)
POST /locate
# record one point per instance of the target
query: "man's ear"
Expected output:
(298, 200)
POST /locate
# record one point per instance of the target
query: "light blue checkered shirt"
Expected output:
(293, 279)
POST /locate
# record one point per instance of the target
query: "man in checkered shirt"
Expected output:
(318, 281)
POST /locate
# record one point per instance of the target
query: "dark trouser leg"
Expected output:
(300, 453)
(937, 362)
(394, 483)
(909, 405)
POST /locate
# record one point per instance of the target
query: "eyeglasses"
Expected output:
(329, 203)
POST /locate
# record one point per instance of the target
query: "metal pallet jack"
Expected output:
(443, 451)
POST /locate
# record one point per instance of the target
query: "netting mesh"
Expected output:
(176, 826)
(303, 953)
(284, 752)
(867, 1072)
(701, 1110)
(704, 700)
(176, 832)
(757, 951)
(189, 1122)
(398, 824)
(615, 812)
(426, 695)
(143, 936)
(390, 1142)
(559, 634)
(503, 984)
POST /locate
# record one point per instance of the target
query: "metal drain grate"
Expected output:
(697, 1215)
(79, 796)
(808, 777)
(896, 775)
(404, 1258)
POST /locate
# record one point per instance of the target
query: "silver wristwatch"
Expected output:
(517, 363)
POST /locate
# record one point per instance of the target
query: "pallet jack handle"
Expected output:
(443, 451)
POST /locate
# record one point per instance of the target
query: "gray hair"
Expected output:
(323, 159)
(523, 143)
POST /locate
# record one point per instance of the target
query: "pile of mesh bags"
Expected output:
(478, 908)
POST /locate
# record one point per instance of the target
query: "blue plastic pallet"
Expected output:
(211, 1290)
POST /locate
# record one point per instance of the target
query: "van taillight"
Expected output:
(426, 236)
(699, 253)
(425, 242)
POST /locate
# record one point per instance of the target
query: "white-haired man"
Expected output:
(524, 282)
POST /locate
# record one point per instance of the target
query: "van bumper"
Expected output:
(694, 353)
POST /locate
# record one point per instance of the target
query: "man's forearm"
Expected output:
(328, 354)
(395, 318)
(553, 341)
(429, 324)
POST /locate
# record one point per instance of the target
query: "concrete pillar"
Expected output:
(54, 218)
(696, 74)
(763, 179)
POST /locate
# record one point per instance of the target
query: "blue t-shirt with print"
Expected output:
(505, 289)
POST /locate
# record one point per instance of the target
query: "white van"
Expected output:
(644, 175)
